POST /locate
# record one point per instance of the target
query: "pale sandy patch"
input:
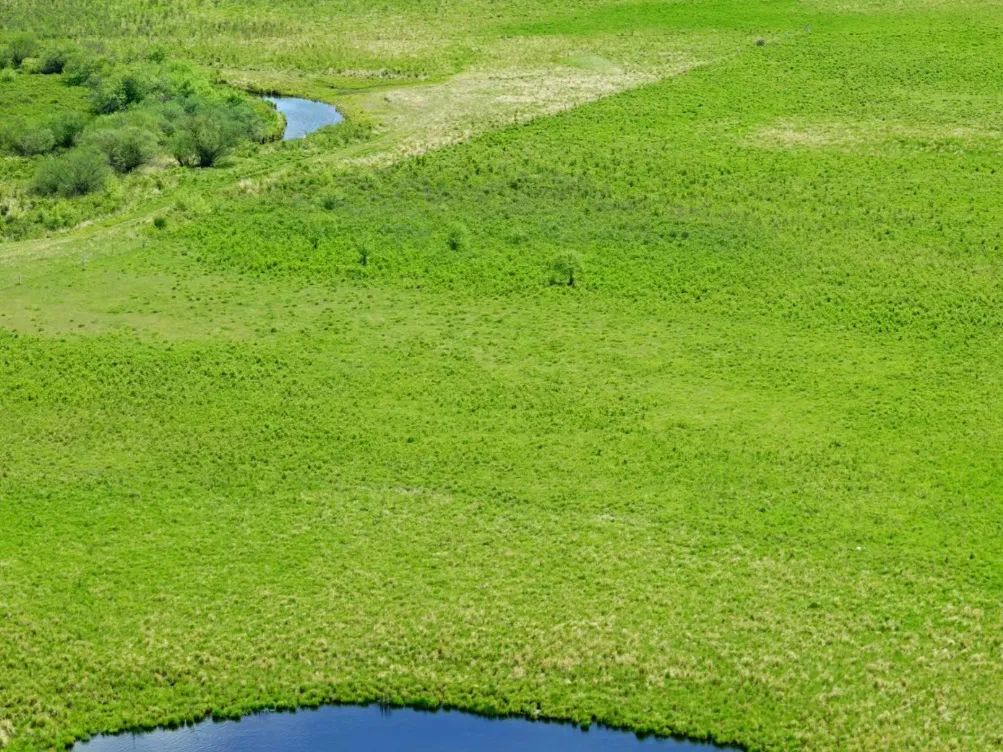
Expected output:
(420, 119)
(868, 134)
(896, 6)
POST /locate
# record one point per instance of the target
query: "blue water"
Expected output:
(304, 116)
(371, 728)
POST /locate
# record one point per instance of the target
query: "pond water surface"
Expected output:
(304, 116)
(372, 728)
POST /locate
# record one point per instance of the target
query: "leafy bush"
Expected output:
(81, 69)
(248, 123)
(75, 173)
(126, 148)
(21, 48)
(565, 268)
(66, 128)
(9, 133)
(29, 139)
(118, 91)
(54, 60)
(33, 141)
(203, 141)
(204, 137)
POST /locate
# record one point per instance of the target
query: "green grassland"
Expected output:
(330, 432)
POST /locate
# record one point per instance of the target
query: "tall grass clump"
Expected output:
(458, 238)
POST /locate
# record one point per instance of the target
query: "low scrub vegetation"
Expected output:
(18, 49)
(28, 140)
(124, 148)
(127, 113)
(205, 133)
(54, 60)
(75, 173)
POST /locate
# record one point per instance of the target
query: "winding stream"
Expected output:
(304, 116)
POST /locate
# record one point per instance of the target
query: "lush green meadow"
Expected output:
(327, 423)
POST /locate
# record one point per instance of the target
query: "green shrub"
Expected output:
(118, 91)
(248, 123)
(458, 238)
(160, 222)
(75, 173)
(53, 60)
(7, 76)
(30, 66)
(34, 141)
(172, 117)
(125, 149)
(109, 96)
(9, 133)
(565, 269)
(204, 138)
(21, 48)
(81, 69)
(332, 201)
(66, 128)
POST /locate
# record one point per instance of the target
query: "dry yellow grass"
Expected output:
(868, 135)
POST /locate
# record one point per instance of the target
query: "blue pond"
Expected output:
(304, 116)
(376, 729)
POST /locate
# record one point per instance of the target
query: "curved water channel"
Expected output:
(304, 116)
(372, 728)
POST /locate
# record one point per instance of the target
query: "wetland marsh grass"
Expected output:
(316, 427)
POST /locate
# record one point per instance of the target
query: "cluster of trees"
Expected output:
(138, 111)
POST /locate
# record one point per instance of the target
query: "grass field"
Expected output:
(328, 432)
